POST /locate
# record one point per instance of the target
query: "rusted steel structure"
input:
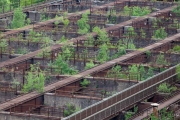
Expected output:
(107, 107)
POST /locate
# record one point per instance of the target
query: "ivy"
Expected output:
(34, 80)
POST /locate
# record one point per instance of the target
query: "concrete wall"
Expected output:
(59, 101)
(7, 116)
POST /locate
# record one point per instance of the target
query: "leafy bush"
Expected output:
(131, 32)
(34, 79)
(102, 35)
(160, 33)
(166, 88)
(89, 65)
(3, 45)
(70, 109)
(62, 66)
(176, 48)
(160, 60)
(103, 54)
(136, 11)
(82, 24)
(85, 83)
(18, 18)
(176, 10)
(178, 71)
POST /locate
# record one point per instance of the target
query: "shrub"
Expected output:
(136, 11)
(18, 19)
(89, 65)
(70, 109)
(34, 79)
(85, 83)
(166, 88)
(160, 33)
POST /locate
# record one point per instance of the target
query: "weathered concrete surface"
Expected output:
(60, 101)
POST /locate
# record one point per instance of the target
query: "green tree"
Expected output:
(82, 24)
(103, 54)
(18, 19)
(34, 80)
(89, 65)
(70, 109)
(62, 66)
(4, 2)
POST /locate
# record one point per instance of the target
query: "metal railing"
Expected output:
(122, 100)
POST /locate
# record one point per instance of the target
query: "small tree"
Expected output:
(85, 83)
(82, 24)
(34, 79)
(62, 66)
(70, 109)
(160, 33)
(89, 65)
(103, 54)
(18, 19)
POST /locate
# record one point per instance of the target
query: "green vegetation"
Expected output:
(130, 32)
(136, 11)
(89, 65)
(160, 33)
(18, 19)
(163, 115)
(3, 45)
(34, 79)
(89, 41)
(70, 109)
(135, 72)
(61, 66)
(178, 72)
(82, 24)
(22, 51)
(176, 10)
(102, 35)
(166, 88)
(103, 54)
(85, 83)
(160, 60)
(121, 50)
(176, 49)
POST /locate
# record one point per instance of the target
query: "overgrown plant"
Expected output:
(102, 35)
(85, 83)
(34, 79)
(160, 60)
(160, 33)
(136, 11)
(18, 19)
(82, 24)
(61, 66)
(103, 54)
(89, 65)
(3, 45)
(70, 109)
(166, 88)
(130, 32)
